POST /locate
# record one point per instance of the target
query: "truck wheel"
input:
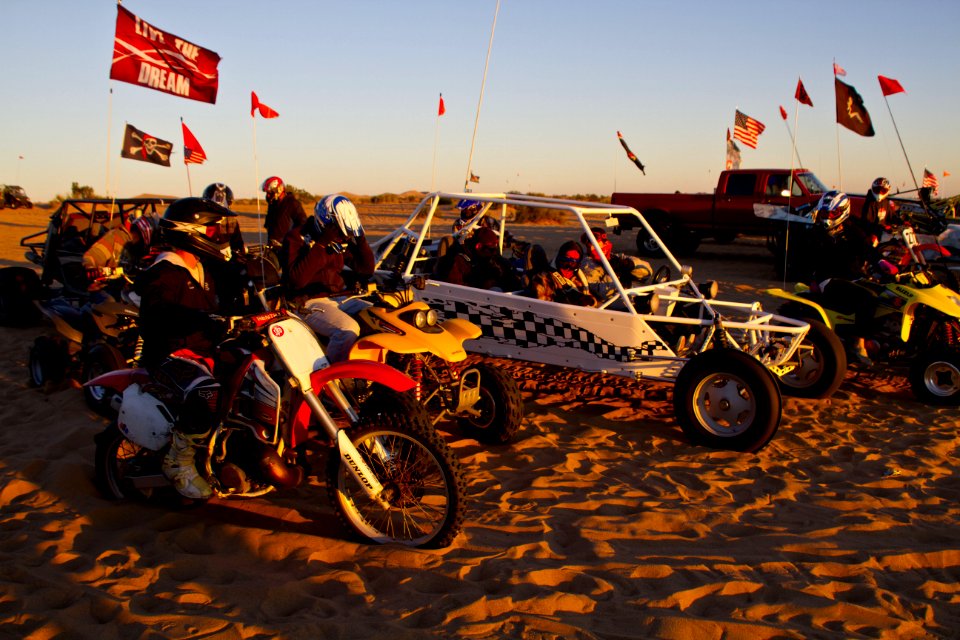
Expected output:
(935, 378)
(647, 246)
(725, 399)
(500, 407)
(725, 237)
(821, 364)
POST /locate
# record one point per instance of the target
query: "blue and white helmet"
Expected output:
(338, 209)
(832, 210)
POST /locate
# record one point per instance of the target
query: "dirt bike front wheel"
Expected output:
(422, 480)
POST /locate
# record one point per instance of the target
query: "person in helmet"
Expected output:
(480, 264)
(284, 211)
(123, 246)
(565, 282)
(627, 268)
(322, 258)
(180, 326)
(846, 253)
(876, 214)
(219, 193)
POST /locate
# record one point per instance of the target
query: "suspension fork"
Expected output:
(349, 454)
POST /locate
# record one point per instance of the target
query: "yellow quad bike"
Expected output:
(398, 329)
(915, 327)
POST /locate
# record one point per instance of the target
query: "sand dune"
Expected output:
(601, 522)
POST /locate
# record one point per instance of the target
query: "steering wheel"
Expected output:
(661, 275)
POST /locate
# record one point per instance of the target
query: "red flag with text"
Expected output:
(889, 86)
(148, 57)
(256, 105)
(192, 151)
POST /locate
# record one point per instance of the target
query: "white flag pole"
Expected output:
(476, 122)
(256, 177)
(436, 138)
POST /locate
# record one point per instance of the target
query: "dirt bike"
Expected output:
(90, 336)
(389, 475)
(915, 326)
(398, 329)
(909, 254)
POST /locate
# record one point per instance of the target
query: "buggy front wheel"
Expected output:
(725, 399)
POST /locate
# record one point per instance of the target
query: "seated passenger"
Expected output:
(479, 265)
(629, 269)
(565, 282)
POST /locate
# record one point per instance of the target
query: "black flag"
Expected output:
(138, 145)
(630, 154)
(850, 110)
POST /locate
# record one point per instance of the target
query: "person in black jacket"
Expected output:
(180, 328)
(284, 211)
(314, 256)
(875, 214)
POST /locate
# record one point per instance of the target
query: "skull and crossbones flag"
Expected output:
(138, 145)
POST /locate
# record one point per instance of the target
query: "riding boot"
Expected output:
(180, 467)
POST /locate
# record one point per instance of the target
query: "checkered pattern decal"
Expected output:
(526, 329)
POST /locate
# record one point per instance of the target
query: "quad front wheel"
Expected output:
(101, 359)
(725, 399)
(499, 411)
(935, 378)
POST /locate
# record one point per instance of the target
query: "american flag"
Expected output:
(930, 180)
(746, 129)
(192, 151)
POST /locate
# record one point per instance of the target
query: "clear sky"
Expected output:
(357, 83)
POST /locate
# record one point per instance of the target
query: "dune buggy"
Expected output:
(725, 359)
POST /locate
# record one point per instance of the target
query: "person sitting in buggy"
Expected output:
(565, 282)
(480, 264)
(629, 270)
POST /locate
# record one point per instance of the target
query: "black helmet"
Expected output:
(219, 193)
(199, 226)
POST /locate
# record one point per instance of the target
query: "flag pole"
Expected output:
(793, 152)
(109, 122)
(912, 176)
(436, 138)
(483, 82)
(186, 165)
(793, 142)
(256, 177)
(837, 128)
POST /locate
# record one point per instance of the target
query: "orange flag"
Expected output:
(256, 105)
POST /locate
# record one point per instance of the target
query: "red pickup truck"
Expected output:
(683, 220)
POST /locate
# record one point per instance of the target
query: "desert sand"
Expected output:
(600, 522)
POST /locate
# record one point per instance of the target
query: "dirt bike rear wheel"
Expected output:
(422, 480)
(725, 399)
(118, 461)
(821, 364)
(500, 407)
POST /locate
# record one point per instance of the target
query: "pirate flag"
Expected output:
(633, 158)
(138, 145)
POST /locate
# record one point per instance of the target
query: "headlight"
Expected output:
(432, 317)
(421, 319)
